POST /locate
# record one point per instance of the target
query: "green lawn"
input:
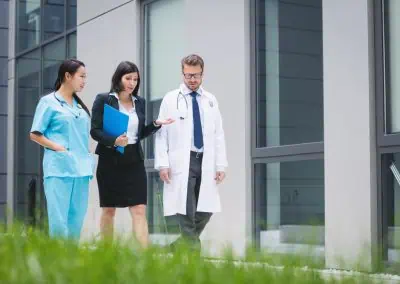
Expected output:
(31, 257)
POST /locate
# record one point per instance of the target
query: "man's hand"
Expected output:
(164, 175)
(219, 177)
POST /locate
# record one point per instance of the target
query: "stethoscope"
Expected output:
(68, 108)
(182, 117)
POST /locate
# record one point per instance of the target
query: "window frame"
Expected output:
(386, 143)
(269, 154)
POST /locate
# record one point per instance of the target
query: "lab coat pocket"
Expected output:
(175, 162)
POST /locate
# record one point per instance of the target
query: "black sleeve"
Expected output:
(149, 129)
(96, 130)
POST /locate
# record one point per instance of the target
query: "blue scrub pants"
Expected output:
(67, 202)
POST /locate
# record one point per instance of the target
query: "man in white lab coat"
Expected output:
(190, 153)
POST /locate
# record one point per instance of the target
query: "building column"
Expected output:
(11, 112)
(349, 134)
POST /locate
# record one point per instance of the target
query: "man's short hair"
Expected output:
(193, 60)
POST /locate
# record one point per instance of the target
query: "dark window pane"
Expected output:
(391, 203)
(4, 99)
(28, 72)
(4, 42)
(54, 54)
(290, 204)
(392, 64)
(3, 71)
(53, 18)
(28, 24)
(3, 144)
(3, 189)
(72, 46)
(289, 73)
(3, 209)
(29, 153)
(158, 224)
(71, 14)
(4, 14)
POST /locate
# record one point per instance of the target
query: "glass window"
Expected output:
(28, 24)
(392, 62)
(3, 189)
(4, 14)
(28, 73)
(391, 203)
(3, 209)
(289, 73)
(72, 45)
(4, 99)
(162, 73)
(3, 146)
(36, 73)
(290, 204)
(29, 153)
(3, 71)
(53, 55)
(3, 42)
(53, 19)
(72, 6)
(158, 224)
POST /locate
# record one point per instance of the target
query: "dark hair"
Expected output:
(70, 66)
(193, 60)
(125, 67)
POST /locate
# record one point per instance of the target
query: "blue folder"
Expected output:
(115, 123)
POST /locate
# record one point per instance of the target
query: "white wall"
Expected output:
(102, 43)
(90, 9)
(350, 173)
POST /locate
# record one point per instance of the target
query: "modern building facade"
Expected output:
(308, 95)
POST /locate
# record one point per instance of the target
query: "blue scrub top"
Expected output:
(68, 126)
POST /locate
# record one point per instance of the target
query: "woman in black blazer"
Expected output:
(122, 178)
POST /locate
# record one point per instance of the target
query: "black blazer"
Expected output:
(105, 146)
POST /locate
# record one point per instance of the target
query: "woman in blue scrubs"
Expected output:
(61, 126)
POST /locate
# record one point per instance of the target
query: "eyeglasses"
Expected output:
(190, 76)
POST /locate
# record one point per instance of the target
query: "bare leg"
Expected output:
(107, 223)
(139, 224)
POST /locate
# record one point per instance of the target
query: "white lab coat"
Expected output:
(172, 150)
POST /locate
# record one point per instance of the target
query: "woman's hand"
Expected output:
(122, 140)
(59, 148)
(167, 121)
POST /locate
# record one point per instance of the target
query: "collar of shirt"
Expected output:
(186, 91)
(115, 95)
(61, 99)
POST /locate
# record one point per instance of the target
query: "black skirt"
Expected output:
(122, 179)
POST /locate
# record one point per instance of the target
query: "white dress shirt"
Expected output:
(133, 123)
(186, 92)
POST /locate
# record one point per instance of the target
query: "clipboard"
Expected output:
(115, 123)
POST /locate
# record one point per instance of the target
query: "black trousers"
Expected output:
(193, 223)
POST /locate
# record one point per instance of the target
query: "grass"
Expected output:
(32, 257)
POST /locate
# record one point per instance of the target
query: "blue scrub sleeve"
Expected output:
(42, 117)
